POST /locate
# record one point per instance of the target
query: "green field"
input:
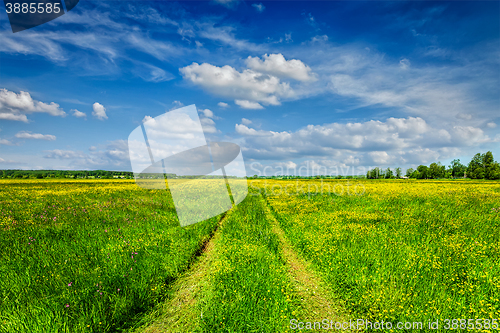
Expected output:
(108, 256)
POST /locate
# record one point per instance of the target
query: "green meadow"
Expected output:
(108, 256)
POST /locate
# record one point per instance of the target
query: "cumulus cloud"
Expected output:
(248, 105)
(207, 113)
(223, 105)
(15, 106)
(244, 130)
(247, 85)
(35, 136)
(395, 140)
(246, 121)
(207, 121)
(78, 114)
(5, 142)
(491, 125)
(208, 125)
(277, 65)
(99, 111)
(259, 7)
(176, 105)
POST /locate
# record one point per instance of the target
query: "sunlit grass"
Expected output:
(415, 250)
(87, 255)
(95, 256)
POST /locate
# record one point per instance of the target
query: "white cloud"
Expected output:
(277, 65)
(395, 140)
(246, 121)
(223, 105)
(78, 114)
(464, 116)
(207, 113)
(104, 45)
(63, 154)
(5, 142)
(36, 136)
(113, 155)
(208, 125)
(247, 85)
(15, 117)
(491, 125)
(15, 106)
(259, 7)
(322, 38)
(404, 64)
(381, 157)
(176, 105)
(248, 105)
(437, 93)
(99, 111)
(244, 130)
(151, 73)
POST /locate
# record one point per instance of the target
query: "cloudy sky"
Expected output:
(339, 85)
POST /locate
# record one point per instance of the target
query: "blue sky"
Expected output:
(337, 86)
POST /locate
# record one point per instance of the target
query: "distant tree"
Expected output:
(489, 164)
(409, 172)
(423, 171)
(415, 174)
(493, 172)
(388, 173)
(436, 170)
(457, 168)
(398, 172)
(374, 173)
(475, 169)
(491, 167)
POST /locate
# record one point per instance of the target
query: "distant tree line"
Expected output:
(40, 174)
(482, 166)
(95, 174)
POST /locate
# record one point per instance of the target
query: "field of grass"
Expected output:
(402, 251)
(87, 255)
(107, 256)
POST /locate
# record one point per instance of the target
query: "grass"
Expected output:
(402, 251)
(88, 255)
(108, 256)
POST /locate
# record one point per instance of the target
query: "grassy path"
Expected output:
(180, 314)
(317, 305)
(248, 279)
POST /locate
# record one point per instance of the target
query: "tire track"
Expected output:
(316, 303)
